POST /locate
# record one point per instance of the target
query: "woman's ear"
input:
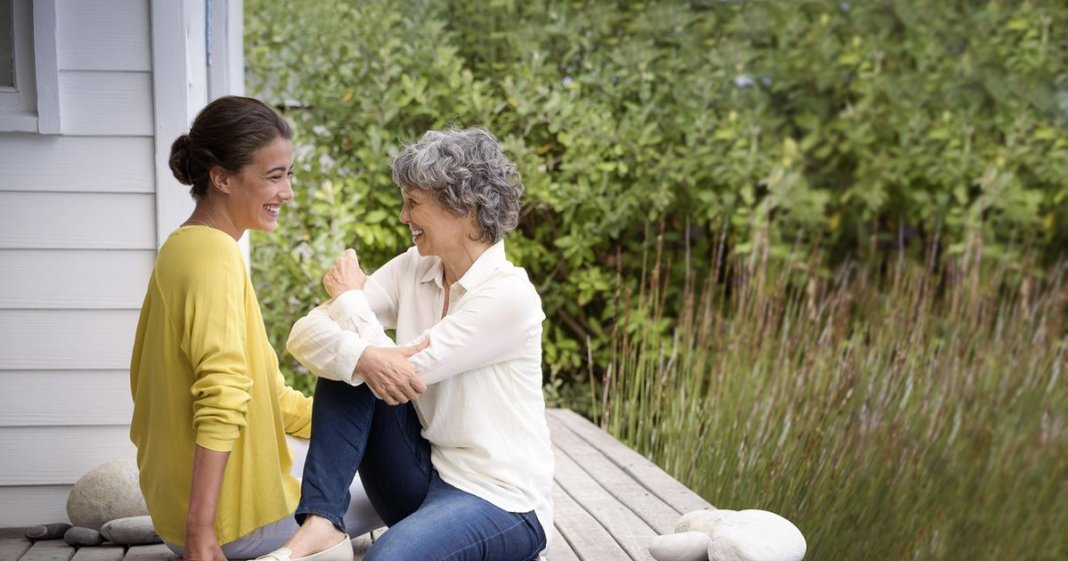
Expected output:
(220, 179)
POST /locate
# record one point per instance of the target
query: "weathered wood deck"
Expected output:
(609, 502)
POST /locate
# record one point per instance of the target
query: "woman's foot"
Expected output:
(316, 535)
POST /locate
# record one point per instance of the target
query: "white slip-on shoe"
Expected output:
(280, 554)
(339, 552)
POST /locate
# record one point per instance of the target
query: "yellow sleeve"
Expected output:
(215, 324)
(296, 409)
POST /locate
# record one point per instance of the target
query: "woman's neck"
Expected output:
(208, 213)
(456, 264)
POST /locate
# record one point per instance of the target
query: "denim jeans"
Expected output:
(428, 518)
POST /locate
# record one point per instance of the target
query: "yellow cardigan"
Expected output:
(203, 372)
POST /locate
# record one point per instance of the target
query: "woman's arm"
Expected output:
(200, 541)
(494, 324)
(214, 338)
(332, 352)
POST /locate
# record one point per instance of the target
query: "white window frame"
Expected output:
(33, 104)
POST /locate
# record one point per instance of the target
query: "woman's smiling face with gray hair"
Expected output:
(457, 183)
(435, 230)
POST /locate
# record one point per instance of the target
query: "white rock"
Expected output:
(687, 546)
(756, 535)
(107, 492)
(134, 530)
(704, 521)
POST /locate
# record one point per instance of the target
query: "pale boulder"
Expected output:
(687, 546)
(107, 492)
(756, 535)
(704, 521)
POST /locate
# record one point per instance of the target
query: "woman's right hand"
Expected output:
(202, 545)
(389, 373)
(345, 275)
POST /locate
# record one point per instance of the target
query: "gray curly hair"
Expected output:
(466, 171)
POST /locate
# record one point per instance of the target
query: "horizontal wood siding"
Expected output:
(103, 35)
(77, 221)
(66, 339)
(74, 279)
(51, 455)
(106, 103)
(65, 397)
(111, 164)
(77, 242)
(38, 504)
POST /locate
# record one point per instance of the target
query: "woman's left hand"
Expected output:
(345, 275)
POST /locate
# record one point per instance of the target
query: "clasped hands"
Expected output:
(386, 370)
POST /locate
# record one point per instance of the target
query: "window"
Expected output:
(7, 32)
(29, 98)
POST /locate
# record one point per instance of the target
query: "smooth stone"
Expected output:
(78, 536)
(756, 535)
(687, 546)
(704, 521)
(133, 530)
(52, 531)
(107, 492)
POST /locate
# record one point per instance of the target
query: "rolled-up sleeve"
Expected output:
(296, 409)
(216, 346)
(324, 348)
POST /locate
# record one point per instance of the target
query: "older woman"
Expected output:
(449, 434)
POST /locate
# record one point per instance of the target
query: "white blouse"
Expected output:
(483, 411)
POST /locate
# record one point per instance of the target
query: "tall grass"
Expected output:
(896, 415)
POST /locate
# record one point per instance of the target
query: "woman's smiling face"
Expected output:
(435, 230)
(260, 189)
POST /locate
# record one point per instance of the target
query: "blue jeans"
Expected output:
(428, 518)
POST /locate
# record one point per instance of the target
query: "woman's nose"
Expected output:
(287, 190)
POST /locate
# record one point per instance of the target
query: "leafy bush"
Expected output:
(755, 128)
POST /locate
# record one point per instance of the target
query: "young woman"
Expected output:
(211, 410)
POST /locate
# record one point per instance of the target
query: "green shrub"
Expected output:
(753, 127)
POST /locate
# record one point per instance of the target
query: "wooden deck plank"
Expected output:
(49, 550)
(656, 480)
(559, 549)
(585, 536)
(625, 527)
(11, 548)
(649, 507)
(100, 553)
(158, 552)
(609, 502)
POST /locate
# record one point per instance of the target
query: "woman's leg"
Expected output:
(360, 517)
(453, 525)
(352, 428)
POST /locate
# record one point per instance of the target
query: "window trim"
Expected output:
(33, 105)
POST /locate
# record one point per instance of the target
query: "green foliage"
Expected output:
(885, 422)
(754, 127)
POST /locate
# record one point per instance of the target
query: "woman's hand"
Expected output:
(345, 275)
(389, 373)
(202, 545)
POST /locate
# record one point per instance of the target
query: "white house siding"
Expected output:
(77, 242)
